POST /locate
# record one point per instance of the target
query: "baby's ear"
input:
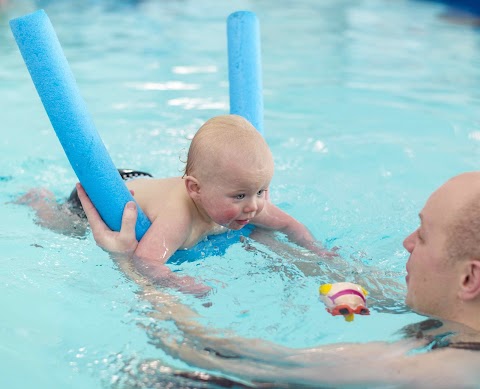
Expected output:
(470, 287)
(191, 183)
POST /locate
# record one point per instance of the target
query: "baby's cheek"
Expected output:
(261, 205)
(230, 214)
(223, 214)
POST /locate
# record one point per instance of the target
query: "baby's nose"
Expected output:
(251, 207)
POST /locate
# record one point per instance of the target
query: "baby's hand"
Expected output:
(323, 252)
(123, 242)
(185, 284)
(162, 275)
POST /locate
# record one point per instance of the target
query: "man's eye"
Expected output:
(420, 237)
(240, 197)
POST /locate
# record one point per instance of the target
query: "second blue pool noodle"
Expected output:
(67, 111)
(245, 67)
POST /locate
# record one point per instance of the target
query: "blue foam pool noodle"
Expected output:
(67, 111)
(245, 67)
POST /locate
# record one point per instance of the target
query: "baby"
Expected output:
(225, 186)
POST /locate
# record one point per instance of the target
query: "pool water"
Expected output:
(369, 106)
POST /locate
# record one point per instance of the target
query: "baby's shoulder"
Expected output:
(159, 195)
(155, 184)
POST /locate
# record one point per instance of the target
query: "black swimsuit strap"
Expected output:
(74, 203)
(442, 340)
(473, 346)
(129, 173)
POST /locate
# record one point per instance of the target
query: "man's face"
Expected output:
(431, 275)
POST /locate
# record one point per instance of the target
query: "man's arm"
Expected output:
(149, 255)
(372, 364)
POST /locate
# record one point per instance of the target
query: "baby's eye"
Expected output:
(260, 192)
(240, 196)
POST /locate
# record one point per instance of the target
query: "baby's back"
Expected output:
(155, 195)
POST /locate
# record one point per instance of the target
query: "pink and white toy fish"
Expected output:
(344, 298)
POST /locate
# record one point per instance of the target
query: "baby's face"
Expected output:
(235, 192)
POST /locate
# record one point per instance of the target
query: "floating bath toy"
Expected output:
(344, 298)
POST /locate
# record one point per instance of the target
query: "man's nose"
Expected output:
(409, 242)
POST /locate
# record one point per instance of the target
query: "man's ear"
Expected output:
(470, 287)
(192, 185)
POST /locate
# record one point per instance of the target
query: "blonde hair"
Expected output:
(219, 137)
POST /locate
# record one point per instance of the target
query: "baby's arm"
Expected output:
(150, 254)
(274, 218)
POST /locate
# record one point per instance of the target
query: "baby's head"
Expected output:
(228, 172)
(228, 144)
